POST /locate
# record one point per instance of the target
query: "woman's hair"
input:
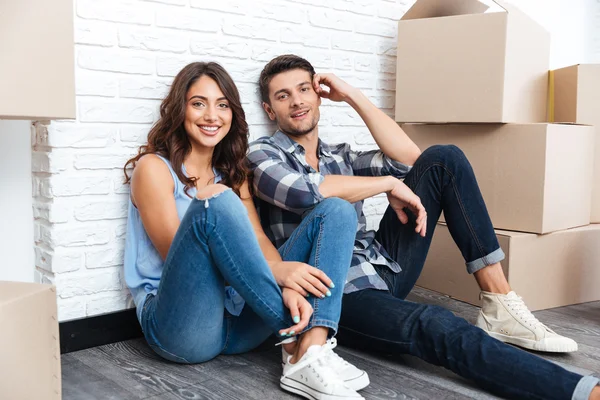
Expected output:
(168, 137)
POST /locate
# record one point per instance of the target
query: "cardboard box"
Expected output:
(534, 177)
(552, 270)
(457, 63)
(29, 343)
(576, 99)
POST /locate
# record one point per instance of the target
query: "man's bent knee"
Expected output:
(340, 208)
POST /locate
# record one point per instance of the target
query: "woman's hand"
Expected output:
(300, 310)
(302, 278)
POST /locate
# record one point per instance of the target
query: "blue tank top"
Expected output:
(143, 264)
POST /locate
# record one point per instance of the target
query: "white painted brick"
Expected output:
(364, 138)
(190, 20)
(387, 47)
(134, 135)
(387, 65)
(229, 6)
(95, 33)
(103, 210)
(75, 234)
(143, 88)
(171, 2)
(56, 212)
(342, 61)
(105, 303)
(111, 60)
(102, 160)
(60, 134)
(119, 185)
(359, 80)
(365, 7)
(78, 186)
(103, 257)
(351, 42)
(51, 162)
(116, 111)
(69, 309)
(206, 45)
(392, 11)
(319, 3)
(349, 118)
(251, 28)
(385, 101)
(277, 11)
(249, 92)
(387, 83)
(95, 84)
(330, 19)
(153, 39)
(379, 27)
(60, 260)
(244, 71)
(318, 58)
(365, 63)
(121, 230)
(87, 282)
(306, 36)
(116, 11)
(171, 65)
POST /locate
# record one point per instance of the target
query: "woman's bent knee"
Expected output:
(211, 191)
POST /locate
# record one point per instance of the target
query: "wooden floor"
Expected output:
(130, 370)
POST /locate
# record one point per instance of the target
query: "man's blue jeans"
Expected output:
(384, 321)
(186, 321)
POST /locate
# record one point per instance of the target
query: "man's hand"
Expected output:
(401, 197)
(300, 310)
(302, 278)
(338, 89)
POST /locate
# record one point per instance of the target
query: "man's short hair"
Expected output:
(278, 65)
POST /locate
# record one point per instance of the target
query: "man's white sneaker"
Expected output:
(507, 318)
(355, 378)
(312, 377)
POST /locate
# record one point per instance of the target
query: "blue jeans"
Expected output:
(186, 321)
(384, 321)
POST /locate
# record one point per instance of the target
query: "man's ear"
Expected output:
(269, 111)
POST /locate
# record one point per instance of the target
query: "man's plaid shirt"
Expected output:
(287, 187)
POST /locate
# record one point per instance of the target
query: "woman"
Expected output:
(196, 252)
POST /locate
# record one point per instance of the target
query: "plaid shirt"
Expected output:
(287, 187)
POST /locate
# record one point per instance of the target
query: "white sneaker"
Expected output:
(507, 318)
(312, 377)
(355, 378)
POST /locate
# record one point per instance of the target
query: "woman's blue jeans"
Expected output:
(186, 320)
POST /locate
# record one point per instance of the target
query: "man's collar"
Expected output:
(282, 140)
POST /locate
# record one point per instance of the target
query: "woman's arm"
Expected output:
(152, 193)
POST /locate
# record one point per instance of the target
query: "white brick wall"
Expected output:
(127, 53)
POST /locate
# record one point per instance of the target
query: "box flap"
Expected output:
(447, 8)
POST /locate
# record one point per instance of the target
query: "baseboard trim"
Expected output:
(84, 333)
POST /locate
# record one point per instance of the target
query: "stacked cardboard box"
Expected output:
(479, 80)
(29, 342)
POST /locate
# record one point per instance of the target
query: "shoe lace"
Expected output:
(517, 305)
(318, 365)
(333, 356)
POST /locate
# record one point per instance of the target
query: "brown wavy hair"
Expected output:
(168, 137)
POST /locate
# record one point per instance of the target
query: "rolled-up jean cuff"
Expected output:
(492, 258)
(324, 323)
(584, 387)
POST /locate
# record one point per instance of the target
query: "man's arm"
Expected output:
(388, 135)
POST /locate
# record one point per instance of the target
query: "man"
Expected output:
(294, 171)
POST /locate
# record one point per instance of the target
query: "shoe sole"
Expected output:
(358, 383)
(292, 386)
(532, 344)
